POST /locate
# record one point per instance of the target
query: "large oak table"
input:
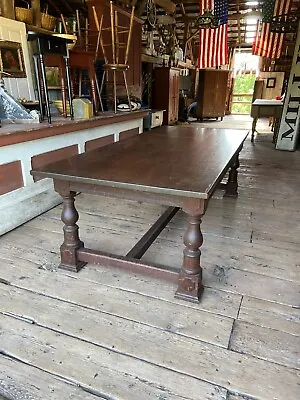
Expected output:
(177, 166)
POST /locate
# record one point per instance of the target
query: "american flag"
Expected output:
(266, 43)
(213, 43)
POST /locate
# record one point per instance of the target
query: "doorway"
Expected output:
(245, 70)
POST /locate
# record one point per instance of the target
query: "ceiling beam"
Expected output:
(185, 2)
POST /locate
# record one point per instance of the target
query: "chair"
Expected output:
(85, 60)
(115, 60)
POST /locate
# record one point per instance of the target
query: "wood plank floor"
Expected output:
(108, 334)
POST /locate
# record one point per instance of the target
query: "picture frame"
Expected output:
(271, 83)
(53, 77)
(11, 59)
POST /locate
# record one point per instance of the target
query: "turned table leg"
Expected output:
(253, 128)
(231, 189)
(72, 243)
(190, 278)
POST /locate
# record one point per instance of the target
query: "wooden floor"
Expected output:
(103, 333)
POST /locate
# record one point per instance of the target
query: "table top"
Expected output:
(180, 160)
(267, 102)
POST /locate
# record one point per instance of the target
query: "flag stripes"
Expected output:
(267, 43)
(213, 43)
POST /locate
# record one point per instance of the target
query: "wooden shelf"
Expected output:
(182, 64)
(152, 59)
(51, 33)
(160, 60)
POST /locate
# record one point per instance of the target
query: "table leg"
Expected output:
(72, 243)
(98, 93)
(276, 129)
(63, 90)
(92, 78)
(232, 183)
(101, 89)
(69, 85)
(115, 90)
(190, 278)
(44, 82)
(253, 128)
(38, 84)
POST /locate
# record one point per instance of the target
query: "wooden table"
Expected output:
(177, 166)
(266, 108)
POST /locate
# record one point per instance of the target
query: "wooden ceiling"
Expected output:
(241, 26)
(241, 18)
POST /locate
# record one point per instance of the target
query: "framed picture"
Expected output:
(52, 77)
(271, 83)
(11, 59)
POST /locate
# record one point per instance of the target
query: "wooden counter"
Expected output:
(19, 133)
(27, 146)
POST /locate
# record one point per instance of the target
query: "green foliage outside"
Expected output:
(243, 84)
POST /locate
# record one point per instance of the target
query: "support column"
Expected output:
(69, 216)
(231, 189)
(190, 278)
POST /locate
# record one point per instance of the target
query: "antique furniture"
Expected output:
(79, 60)
(166, 93)
(211, 89)
(266, 108)
(85, 60)
(153, 119)
(116, 57)
(177, 166)
(49, 45)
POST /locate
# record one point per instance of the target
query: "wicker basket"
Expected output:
(24, 15)
(48, 21)
(58, 104)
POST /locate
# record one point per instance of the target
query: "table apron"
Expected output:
(130, 194)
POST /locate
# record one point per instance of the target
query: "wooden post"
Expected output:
(190, 278)
(7, 9)
(36, 6)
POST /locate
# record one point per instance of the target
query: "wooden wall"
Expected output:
(270, 78)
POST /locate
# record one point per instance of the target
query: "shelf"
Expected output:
(160, 60)
(31, 28)
(182, 64)
(153, 59)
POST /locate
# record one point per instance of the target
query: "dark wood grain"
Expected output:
(128, 133)
(42, 159)
(181, 164)
(10, 177)
(182, 161)
(100, 142)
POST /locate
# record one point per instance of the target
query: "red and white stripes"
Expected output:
(213, 43)
(266, 43)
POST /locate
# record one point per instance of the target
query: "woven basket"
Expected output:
(24, 15)
(48, 21)
(59, 106)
